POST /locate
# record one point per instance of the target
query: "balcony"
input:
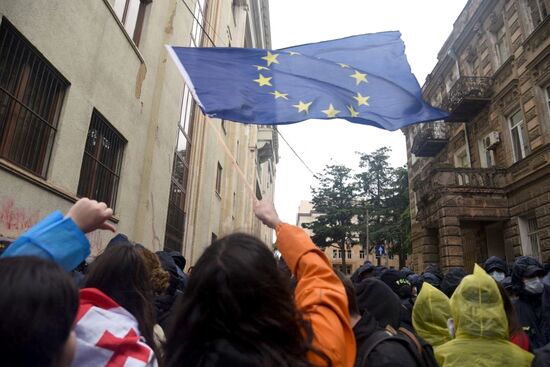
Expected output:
(459, 180)
(429, 138)
(468, 96)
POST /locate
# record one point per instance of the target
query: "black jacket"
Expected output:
(529, 307)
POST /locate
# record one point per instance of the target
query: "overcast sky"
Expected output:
(424, 25)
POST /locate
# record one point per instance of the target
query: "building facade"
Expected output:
(355, 256)
(480, 182)
(92, 106)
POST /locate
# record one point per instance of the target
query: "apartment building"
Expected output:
(480, 181)
(91, 105)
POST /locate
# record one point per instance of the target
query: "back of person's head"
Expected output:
(238, 310)
(377, 299)
(38, 308)
(430, 315)
(477, 307)
(431, 278)
(451, 280)
(397, 282)
(179, 259)
(160, 279)
(364, 271)
(434, 269)
(121, 273)
(176, 281)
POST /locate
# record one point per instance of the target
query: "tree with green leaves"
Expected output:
(384, 190)
(335, 200)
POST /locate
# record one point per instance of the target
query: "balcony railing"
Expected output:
(429, 138)
(474, 180)
(468, 96)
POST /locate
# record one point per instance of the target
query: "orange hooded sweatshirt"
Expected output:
(320, 296)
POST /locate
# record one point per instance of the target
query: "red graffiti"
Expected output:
(16, 219)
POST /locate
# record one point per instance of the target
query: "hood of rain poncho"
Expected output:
(477, 307)
(481, 328)
(430, 313)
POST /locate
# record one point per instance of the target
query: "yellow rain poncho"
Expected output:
(431, 311)
(481, 328)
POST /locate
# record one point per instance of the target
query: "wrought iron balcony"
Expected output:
(468, 96)
(429, 138)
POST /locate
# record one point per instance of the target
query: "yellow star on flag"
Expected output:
(293, 53)
(303, 106)
(331, 111)
(352, 111)
(359, 77)
(343, 65)
(278, 94)
(271, 58)
(262, 80)
(258, 67)
(362, 100)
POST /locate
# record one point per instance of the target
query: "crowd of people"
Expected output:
(240, 306)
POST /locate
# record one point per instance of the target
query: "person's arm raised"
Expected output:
(320, 295)
(61, 238)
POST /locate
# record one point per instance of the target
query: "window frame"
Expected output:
(95, 165)
(32, 110)
(523, 138)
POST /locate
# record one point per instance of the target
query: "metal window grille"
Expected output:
(31, 96)
(533, 233)
(100, 172)
(175, 220)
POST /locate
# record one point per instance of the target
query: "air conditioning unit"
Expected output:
(491, 140)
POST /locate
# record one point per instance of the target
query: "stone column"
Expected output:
(425, 247)
(451, 248)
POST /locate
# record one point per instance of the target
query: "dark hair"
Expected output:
(120, 272)
(514, 325)
(38, 307)
(237, 310)
(353, 307)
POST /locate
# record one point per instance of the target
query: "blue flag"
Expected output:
(364, 79)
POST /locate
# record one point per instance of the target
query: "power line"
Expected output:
(293, 151)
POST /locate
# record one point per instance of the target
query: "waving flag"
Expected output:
(108, 335)
(364, 79)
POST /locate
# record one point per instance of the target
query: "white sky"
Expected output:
(424, 25)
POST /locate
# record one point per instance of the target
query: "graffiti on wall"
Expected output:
(14, 219)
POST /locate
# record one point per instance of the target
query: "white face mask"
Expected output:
(533, 285)
(451, 327)
(498, 275)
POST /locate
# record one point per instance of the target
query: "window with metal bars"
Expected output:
(175, 220)
(100, 172)
(31, 96)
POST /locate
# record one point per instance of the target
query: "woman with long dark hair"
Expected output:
(238, 309)
(117, 293)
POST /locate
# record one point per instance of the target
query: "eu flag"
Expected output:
(364, 79)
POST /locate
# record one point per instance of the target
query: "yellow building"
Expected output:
(354, 256)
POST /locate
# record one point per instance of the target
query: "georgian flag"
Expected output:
(108, 335)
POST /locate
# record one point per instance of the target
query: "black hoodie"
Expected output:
(379, 307)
